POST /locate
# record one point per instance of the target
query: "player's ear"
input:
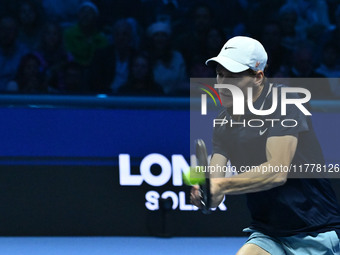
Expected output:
(259, 77)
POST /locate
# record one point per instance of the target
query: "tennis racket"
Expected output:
(202, 160)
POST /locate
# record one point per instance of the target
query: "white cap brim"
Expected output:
(229, 64)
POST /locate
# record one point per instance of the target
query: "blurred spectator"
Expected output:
(170, 11)
(141, 82)
(334, 35)
(330, 68)
(280, 25)
(253, 20)
(313, 19)
(303, 67)
(332, 6)
(288, 18)
(311, 12)
(213, 44)
(29, 78)
(69, 79)
(51, 50)
(230, 14)
(112, 11)
(110, 67)
(251, 16)
(30, 22)
(83, 39)
(193, 38)
(11, 51)
(169, 69)
(63, 11)
(315, 33)
(278, 55)
(303, 61)
(53, 56)
(73, 78)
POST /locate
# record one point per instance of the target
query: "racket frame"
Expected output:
(202, 160)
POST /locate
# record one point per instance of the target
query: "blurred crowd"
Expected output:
(152, 47)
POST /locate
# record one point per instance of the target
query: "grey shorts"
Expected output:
(319, 244)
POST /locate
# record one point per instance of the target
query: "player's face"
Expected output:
(242, 80)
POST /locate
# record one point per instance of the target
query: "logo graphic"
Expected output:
(263, 131)
(241, 100)
(204, 98)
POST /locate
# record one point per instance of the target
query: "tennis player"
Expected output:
(289, 215)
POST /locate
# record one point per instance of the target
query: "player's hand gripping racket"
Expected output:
(202, 160)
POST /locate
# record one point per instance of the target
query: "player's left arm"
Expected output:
(280, 151)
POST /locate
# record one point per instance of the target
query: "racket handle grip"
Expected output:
(205, 202)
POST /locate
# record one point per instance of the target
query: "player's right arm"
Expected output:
(216, 161)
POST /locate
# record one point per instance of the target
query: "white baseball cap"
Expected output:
(241, 53)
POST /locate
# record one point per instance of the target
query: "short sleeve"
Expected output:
(221, 137)
(294, 122)
(217, 143)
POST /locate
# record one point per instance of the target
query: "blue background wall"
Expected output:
(60, 175)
